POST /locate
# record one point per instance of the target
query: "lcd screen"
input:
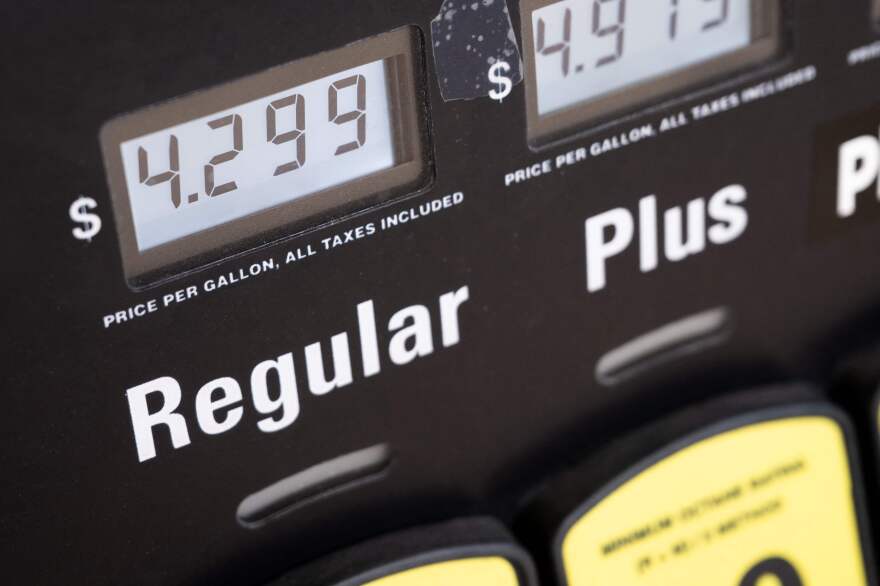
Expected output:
(229, 164)
(266, 152)
(591, 58)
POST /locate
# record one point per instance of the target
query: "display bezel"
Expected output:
(553, 126)
(401, 50)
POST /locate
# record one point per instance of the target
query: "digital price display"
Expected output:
(589, 59)
(257, 157)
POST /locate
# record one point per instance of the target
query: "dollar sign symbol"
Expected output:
(505, 84)
(79, 213)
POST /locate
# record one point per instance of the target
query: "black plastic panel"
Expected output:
(475, 424)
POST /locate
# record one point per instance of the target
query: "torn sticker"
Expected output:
(469, 38)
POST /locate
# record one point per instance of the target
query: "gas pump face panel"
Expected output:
(289, 277)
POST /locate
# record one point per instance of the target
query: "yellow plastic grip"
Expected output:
(478, 571)
(769, 503)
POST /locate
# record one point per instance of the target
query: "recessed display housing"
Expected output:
(590, 60)
(229, 168)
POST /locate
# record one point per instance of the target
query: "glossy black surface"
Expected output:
(473, 427)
